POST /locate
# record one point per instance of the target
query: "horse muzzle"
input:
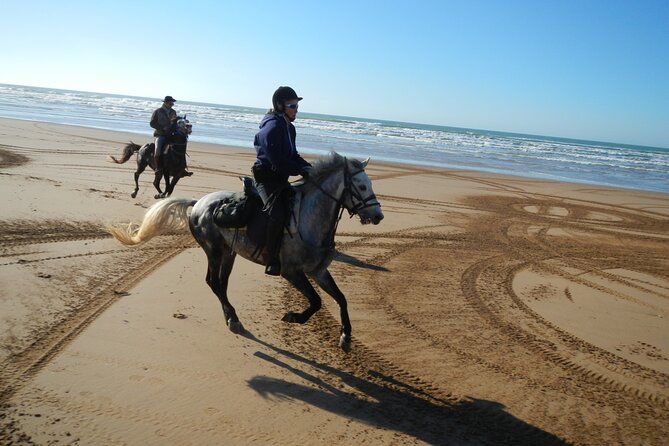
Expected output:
(375, 218)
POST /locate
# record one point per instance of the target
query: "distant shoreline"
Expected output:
(382, 120)
(424, 145)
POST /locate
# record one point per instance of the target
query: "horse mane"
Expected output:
(333, 161)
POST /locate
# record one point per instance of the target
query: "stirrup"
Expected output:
(273, 269)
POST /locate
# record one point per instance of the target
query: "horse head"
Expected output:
(358, 197)
(184, 126)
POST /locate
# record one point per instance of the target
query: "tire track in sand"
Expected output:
(95, 297)
(582, 372)
(395, 394)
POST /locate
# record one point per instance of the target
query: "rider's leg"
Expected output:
(274, 234)
(161, 142)
(187, 173)
(275, 223)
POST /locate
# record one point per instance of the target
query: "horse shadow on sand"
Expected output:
(353, 261)
(388, 403)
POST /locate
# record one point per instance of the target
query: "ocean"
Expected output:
(540, 157)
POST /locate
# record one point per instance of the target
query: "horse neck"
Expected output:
(319, 211)
(179, 137)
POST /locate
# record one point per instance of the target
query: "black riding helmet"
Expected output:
(281, 95)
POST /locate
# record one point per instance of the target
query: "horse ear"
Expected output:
(364, 163)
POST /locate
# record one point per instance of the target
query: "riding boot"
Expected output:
(273, 243)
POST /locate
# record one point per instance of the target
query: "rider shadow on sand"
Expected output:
(388, 403)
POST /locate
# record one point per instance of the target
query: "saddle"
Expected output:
(237, 210)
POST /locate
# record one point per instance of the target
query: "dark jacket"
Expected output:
(161, 121)
(276, 150)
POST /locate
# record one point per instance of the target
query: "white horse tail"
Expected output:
(168, 215)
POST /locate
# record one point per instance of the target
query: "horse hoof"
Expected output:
(345, 343)
(235, 326)
(290, 317)
(157, 197)
(133, 195)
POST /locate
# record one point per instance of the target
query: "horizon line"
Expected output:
(505, 132)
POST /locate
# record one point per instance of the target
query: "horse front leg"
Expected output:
(300, 281)
(325, 280)
(156, 184)
(169, 189)
(166, 176)
(218, 274)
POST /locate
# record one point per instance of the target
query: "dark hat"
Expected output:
(169, 99)
(283, 94)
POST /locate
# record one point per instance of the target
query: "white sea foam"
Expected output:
(539, 157)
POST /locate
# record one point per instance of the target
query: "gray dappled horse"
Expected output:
(174, 159)
(335, 183)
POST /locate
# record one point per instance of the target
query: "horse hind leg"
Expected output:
(300, 281)
(325, 280)
(138, 172)
(220, 262)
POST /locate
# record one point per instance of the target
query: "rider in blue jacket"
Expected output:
(276, 160)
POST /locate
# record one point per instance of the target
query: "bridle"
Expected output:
(182, 129)
(354, 194)
(184, 126)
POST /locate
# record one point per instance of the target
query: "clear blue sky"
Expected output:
(583, 68)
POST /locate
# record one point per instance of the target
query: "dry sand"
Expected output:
(485, 310)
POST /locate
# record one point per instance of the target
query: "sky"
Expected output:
(585, 69)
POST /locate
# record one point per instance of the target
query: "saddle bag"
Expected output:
(237, 210)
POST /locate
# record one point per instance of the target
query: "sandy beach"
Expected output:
(485, 310)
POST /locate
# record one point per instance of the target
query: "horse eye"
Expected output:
(363, 188)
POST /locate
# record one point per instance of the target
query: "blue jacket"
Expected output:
(276, 149)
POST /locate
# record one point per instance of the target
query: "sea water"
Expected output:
(541, 157)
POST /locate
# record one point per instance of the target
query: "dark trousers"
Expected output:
(274, 195)
(161, 144)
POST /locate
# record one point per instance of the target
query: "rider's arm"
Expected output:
(154, 121)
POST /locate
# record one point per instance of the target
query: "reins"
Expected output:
(363, 202)
(179, 147)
